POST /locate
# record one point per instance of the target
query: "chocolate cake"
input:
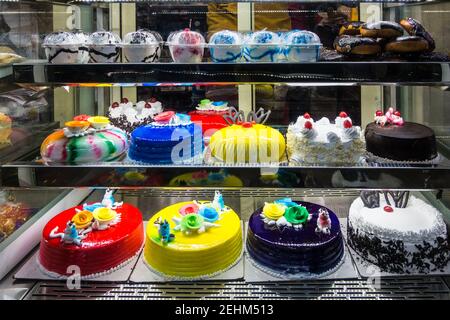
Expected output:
(399, 140)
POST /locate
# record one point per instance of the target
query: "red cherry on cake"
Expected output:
(343, 114)
(348, 124)
(124, 100)
(81, 117)
(379, 113)
(308, 125)
(147, 105)
(397, 113)
(388, 209)
(152, 100)
(164, 116)
(115, 105)
(247, 124)
(306, 115)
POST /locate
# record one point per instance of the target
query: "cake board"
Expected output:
(345, 270)
(31, 270)
(142, 273)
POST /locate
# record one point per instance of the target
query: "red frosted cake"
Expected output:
(98, 238)
(209, 115)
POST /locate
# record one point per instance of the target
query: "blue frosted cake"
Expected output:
(287, 238)
(172, 138)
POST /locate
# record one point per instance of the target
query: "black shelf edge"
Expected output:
(402, 73)
(28, 174)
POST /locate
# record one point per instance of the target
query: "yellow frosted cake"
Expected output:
(193, 240)
(247, 141)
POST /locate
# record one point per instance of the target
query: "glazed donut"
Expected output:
(407, 44)
(351, 28)
(415, 28)
(357, 46)
(381, 29)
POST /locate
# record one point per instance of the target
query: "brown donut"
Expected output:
(415, 28)
(381, 29)
(357, 46)
(407, 44)
(351, 28)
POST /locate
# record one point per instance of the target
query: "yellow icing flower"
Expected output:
(104, 214)
(273, 211)
(82, 219)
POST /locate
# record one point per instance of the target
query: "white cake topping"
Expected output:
(418, 222)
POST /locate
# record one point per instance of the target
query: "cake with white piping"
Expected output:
(398, 232)
(323, 142)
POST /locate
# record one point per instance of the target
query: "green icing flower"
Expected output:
(191, 221)
(296, 214)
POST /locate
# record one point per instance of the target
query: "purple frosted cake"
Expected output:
(287, 238)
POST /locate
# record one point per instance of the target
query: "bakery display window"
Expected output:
(299, 148)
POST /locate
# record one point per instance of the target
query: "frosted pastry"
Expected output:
(104, 47)
(295, 238)
(186, 46)
(323, 142)
(171, 138)
(85, 139)
(209, 115)
(225, 46)
(141, 46)
(262, 46)
(301, 46)
(398, 232)
(193, 239)
(61, 47)
(97, 237)
(247, 140)
(128, 116)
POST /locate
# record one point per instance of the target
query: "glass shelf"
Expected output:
(352, 73)
(116, 174)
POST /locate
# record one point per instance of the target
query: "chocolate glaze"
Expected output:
(415, 28)
(380, 25)
(346, 43)
(410, 142)
(351, 28)
(51, 57)
(291, 251)
(108, 56)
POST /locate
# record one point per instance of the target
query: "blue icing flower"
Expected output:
(286, 201)
(209, 214)
(219, 103)
(92, 207)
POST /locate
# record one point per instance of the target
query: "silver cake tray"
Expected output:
(32, 271)
(143, 274)
(345, 270)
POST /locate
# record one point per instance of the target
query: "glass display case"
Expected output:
(354, 98)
